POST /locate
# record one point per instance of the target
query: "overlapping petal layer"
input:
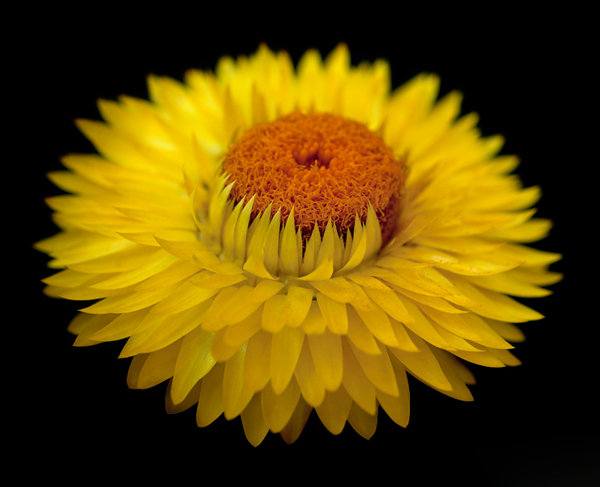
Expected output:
(245, 318)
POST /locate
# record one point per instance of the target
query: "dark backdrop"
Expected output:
(535, 422)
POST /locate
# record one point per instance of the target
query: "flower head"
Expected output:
(272, 241)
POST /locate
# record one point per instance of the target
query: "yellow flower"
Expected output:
(273, 241)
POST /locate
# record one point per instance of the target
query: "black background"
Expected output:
(527, 77)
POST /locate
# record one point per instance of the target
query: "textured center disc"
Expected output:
(324, 166)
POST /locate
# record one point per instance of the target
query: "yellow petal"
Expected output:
(257, 371)
(297, 305)
(508, 331)
(423, 364)
(336, 288)
(271, 245)
(129, 302)
(326, 351)
(483, 357)
(295, 425)
(506, 284)
(334, 314)
(363, 423)
(285, 351)
(450, 365)
(253, 422)
(128, 259)
(193, 363)
(356, 383)
(360, 335)
(235, 396)
(469, 326)
(389, 302)
(288, 257)
(188, 402)
(156, 332)
(421, 326)
(397, 407)
(314, 323)
(186, 296)
(121, 327)
(311, 385)
(334, 410)
(404, 341)
(210, 403)
(278, 409)
(378, 369)
(378, 323)
(273, 316)
(248, 299)
(217, 281)
(237, 334)
(220, 349)
(325, 257)
(159, 366)
(495, 305)
(162, 261)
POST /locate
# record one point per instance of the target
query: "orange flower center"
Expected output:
(324, 166)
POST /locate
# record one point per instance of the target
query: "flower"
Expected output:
(273, 241)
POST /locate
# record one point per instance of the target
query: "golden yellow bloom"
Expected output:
(273, 241)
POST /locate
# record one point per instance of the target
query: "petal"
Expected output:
(158, 366)
(356, 383)
(397, 407)
(292, 430)
(253, 421)
(326, 352)
(297, 305)
(334, 410)
(210, 403)
(334, 314)
(423, 364)
(193, 363)
(363, 423)
(378, 369)
(285, 351)
(257, 366)
(235, 396)
(311, 384)
(278, 409)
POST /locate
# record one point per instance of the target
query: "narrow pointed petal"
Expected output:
(289, 261)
